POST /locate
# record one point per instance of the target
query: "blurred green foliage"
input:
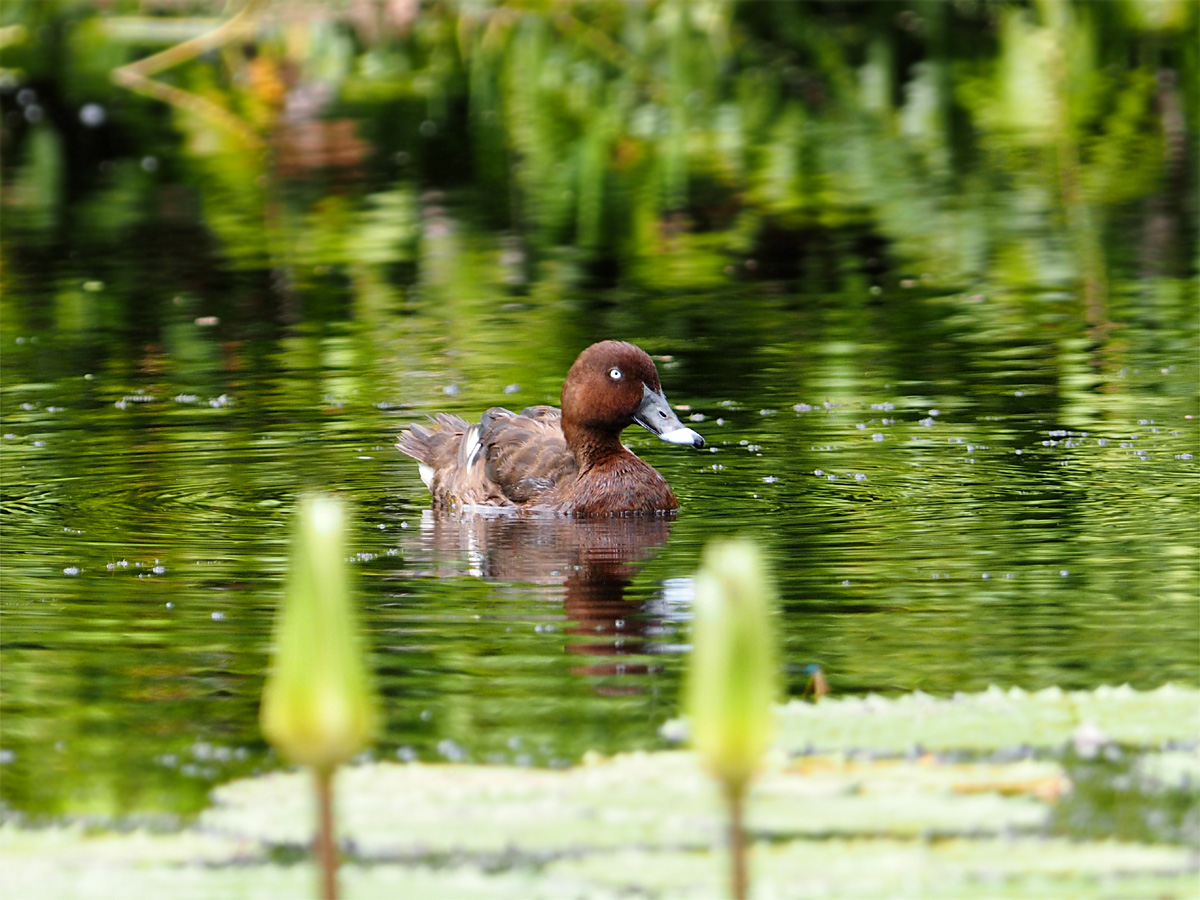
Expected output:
(661, 144)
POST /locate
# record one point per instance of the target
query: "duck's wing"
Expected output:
(525, 454)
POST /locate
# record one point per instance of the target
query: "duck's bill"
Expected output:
(657, 417)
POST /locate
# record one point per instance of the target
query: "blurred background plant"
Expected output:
(662, 144)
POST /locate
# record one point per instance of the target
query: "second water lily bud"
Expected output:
(318, 705)
(733, 678)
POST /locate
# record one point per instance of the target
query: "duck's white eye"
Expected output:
(614, 373)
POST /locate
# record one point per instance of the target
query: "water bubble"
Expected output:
(770, 479)
(986, 576)
(859, 476)
(150, 163)
(71, 570)
(406, 754)
(802, 407)
(1063, 573)
(428, 128)
(451, 750)
(92, 115)
(878, 436)
(818, 472)
(34, 113)
(218, 616)
(511, 388)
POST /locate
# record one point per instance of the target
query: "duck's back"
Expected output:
(526, 454)
(508, 459)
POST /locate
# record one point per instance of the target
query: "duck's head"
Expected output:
(614, 384)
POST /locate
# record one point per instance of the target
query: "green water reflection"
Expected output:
(935, 313)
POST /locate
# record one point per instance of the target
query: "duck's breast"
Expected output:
(623, 485)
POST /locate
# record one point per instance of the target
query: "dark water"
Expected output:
(953, 394)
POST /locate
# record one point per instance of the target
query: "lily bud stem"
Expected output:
(735, 795)
(327, 851)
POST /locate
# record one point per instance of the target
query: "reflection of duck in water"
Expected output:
(592, 559)
(569, 461)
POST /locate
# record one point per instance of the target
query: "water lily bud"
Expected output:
(318, 705)
(733, 677)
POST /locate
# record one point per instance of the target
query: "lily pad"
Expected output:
(990, 720)
(638, 799)
(877, 823)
